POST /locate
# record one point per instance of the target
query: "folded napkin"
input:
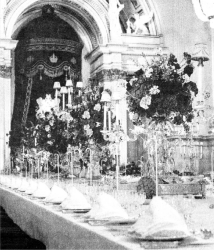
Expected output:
(57, 195)
(31, 188)
(7, 182)
(166, 223)
(42, 191)
(75, 200)
(16, 183)
(107, 208)
(24, 186)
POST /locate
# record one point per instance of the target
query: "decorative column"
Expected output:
(6, 47)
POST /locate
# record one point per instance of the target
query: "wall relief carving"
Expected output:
(111, 74)
(5, 72)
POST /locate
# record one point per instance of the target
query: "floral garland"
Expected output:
(162, 92)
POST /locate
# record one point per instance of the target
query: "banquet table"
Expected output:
(59, 230)
(56, 229)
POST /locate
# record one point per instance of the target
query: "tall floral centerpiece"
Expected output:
(160, 96)
(162, 92)
(77, 127)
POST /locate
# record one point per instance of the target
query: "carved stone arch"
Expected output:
(85, 37)
(81, 14)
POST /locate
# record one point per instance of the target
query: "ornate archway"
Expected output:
(89, 17)
(90, 20)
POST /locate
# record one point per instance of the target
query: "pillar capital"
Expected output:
(110, 75)
(6, 46)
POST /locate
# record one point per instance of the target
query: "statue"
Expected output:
(137, 24)
(114, 11)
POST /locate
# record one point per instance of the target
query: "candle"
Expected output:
(156, 165)
(38, 167)
(72, 167)
(11, 165)
(109, 120)
(63, 101)
(35, 141)
(47, 168)
(58, 166)
(117, 166)
(69, 95)
(104, 120)
(117, 113)
(56, 96)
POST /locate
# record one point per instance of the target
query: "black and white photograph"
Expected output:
(107, 124)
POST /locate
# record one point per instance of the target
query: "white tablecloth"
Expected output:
(57, 230)
(64, 231)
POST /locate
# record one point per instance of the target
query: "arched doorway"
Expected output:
(48, 50)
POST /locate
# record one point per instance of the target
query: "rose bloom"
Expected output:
(148, 72)
(51, 122)
(98, 124)
(86, 127)
(47, 128)
(131, 115)
(145, 102)
(86, 115)
(154, 90)
(89, 132)
(91, 141)
(97, 107)
(40, 115)
(135, 116)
